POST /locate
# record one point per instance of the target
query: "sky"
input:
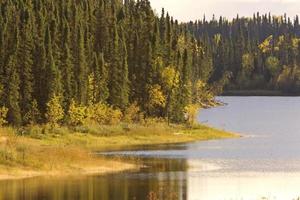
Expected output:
(186, 10)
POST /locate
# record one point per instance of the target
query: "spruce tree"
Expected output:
(12, 92)
(81, 68)
(25, 62)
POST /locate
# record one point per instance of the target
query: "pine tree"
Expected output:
(52, 72)
(25, 62)
(67, 68)
(100, 83)
(81, 69)
(119, 72)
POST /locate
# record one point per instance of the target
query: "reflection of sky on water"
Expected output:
(243, 186)
(266, 163)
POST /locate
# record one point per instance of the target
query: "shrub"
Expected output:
(3, 115)
(33, 115)
(114, 116)
(98, 113)
(191, 112)
(55, 112)
(132, 113)
(77, 114)
(104, 114)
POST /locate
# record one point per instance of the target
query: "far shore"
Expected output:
(70, 154)
(257, 93)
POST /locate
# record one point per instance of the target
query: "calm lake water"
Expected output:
(264, 164)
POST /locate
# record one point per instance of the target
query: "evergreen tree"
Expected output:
(81, 69)
(25, 63)
(12, 91)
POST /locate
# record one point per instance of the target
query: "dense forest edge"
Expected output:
(261, 54)
(71, 62)
(75, 61)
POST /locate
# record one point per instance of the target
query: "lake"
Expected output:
(263, 164)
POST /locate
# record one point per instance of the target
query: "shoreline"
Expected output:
(267, 93)
(19, 174)
(72, 154)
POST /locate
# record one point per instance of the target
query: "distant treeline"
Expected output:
(112, 52)
(262, 52)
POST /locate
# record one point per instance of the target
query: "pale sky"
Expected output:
(186, 10)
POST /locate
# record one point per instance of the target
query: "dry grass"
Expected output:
(40, 150)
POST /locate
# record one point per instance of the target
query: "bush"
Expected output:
(77, 114)
(114, 116)
(55, 112)
(3, 115)
(98, 113)
(191, 112)
(132, 114)
(33, 115)
(104, 114)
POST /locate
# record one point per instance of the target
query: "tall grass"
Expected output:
(65, 148)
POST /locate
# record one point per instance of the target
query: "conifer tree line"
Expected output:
(112, 52)
(261, 52)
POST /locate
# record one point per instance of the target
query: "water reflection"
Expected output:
(162, 179)
(165, 179)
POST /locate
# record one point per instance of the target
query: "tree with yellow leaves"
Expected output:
(191, 112)
(55, 112)
(3, 115)
(77, 114)
(157, 99)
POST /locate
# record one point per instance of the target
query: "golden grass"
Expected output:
(40, 151)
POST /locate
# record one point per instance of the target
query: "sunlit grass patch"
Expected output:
(69, 149)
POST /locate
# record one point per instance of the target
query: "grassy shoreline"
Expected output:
(68, 152)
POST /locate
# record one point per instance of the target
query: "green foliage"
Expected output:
(33, 115)
(247, 64)
(116, 52)
(12, 92)
(244, 76)
(273, 65)
(255, 52)
(55, 112)
(289, 79)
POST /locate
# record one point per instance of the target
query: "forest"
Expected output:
(262, 52)
(110, 60)
(66, 61)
